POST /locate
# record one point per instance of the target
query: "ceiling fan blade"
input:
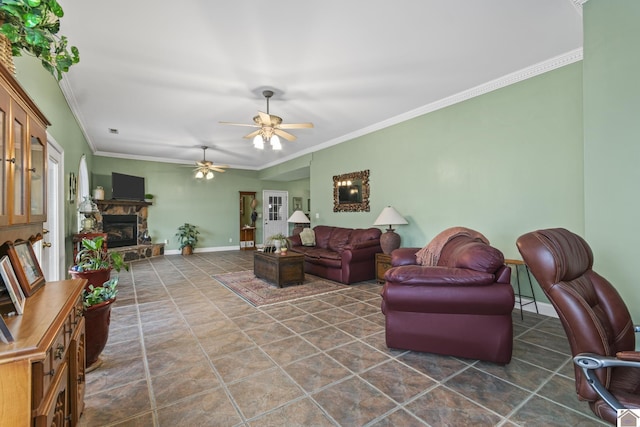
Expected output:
(252, 134)
(218, 169)
(295, 125)
(265, 118)
(285, 135)
(239, 124)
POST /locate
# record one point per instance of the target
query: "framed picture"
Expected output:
(10, 281)
(26, 267)
(5, 333)
(297, 203)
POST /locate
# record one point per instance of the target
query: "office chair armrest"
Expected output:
(629, 355)
(588, 362)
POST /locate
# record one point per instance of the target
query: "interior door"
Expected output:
(275, 208)
(52, 260)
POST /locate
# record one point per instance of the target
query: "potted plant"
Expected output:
(148, 198)
(97, 303)
(187, 237)
(32, 26)
(280, 241)
(94, 262)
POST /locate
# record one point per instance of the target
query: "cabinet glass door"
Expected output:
(20, 165)
(4, 149)
(37, 174)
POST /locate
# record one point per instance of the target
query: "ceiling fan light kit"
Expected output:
(270, 128)
(205, 168)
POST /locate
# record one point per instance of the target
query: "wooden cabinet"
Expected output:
(247, 238)
(383, 263)
(23, 169)
(42, 379)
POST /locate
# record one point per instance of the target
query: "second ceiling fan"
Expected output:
(270, 127)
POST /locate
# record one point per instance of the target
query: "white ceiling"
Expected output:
(164, 74)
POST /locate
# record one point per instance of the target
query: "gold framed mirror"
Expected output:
(351, 192)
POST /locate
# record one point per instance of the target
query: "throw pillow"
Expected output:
(308, 237)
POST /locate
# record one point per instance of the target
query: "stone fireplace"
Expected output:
(125, 223)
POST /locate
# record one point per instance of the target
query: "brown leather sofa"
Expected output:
(460, 307)
(345, 255)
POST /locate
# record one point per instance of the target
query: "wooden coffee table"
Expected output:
(279, 269)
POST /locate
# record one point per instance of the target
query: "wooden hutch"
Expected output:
(42, 370)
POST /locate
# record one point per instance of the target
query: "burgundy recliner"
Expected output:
(594, 316)
(461, 307)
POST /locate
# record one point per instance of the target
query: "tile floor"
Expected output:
(185, 351)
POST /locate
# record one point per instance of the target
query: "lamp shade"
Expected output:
(389, 216)
(258, 142)
(299, 217)
(275, 143)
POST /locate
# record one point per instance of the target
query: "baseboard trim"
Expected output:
(201, 250)
(544, 308)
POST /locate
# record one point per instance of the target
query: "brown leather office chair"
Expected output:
(594, 316)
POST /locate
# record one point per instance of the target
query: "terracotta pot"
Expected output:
(187, 250)
(97, 320)
(94, 277)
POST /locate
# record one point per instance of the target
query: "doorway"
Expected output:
(275, 207)
(52, 258)
(248, 216)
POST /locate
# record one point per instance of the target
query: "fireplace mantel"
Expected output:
(104, 205)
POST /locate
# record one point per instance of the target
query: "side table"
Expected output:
(383, 263)
(517, 263)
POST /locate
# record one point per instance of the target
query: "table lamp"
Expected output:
(390, 240)
(298, 218)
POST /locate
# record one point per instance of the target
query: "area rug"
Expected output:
(261, 293)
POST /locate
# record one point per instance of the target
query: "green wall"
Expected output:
(612, 147)
(504, 163)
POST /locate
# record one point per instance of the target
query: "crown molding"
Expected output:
(75, 110)
(509, 79)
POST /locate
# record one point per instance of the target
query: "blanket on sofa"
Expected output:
(430, 254)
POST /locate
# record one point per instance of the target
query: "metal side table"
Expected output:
(517, 263)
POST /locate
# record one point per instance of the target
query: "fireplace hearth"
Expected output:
(122, 230)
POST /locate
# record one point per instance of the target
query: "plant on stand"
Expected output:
(187, 237)
(280, 242)
(94, 262)
(32, 26)
(97, 303)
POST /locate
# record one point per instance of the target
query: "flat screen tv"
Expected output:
(127, 187)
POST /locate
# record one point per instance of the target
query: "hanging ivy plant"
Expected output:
(32, 26)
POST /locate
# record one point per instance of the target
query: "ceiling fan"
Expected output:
(205, 168)
(270, 127)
